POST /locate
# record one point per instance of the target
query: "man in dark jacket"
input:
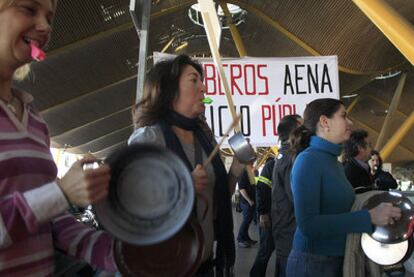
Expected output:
(282, 212)
(357, 152)
(263, 199)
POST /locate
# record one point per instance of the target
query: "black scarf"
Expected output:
(223, 224)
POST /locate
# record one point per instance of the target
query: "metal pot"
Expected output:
(386, 254)
(151, 195)
(401, 230)
(178, 256)
(242, 149)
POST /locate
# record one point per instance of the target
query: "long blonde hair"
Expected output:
(24, 70)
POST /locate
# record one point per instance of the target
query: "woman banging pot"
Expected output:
(170, 114)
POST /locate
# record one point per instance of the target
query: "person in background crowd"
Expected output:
(357, 152)
(263, 195)
(382, 179)
(282, 211)
(32, 200)
(248, 207)
(170, 115)
(323, 196)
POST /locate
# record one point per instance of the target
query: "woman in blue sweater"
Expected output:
(322, 195)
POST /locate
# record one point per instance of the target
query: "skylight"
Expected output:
(238, 15)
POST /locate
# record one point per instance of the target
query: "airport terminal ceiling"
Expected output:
(87, 85)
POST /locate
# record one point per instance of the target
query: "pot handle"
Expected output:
(411, 228)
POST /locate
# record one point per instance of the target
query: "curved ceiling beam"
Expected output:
(386, 125)
(233, 30)
(91, 122)
(276, 25)
(269, 20)
(87, 94)
(120, 28)
(395, 27)
(114, 146)
(74, 147)
(398, 136)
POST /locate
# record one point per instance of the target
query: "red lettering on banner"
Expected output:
(271, 114)
(264, 78)
(265, 108)
(210, 79)
(245, 79)
(234, 76)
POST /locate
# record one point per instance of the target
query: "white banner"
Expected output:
(265, 90)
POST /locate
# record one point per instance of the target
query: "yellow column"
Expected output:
(395, 27)
(167, 45)
(352, 105)
(233, 29)
(391, 111)
(397, 137)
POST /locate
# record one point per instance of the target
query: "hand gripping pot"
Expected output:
(151, 195)
(401, 230)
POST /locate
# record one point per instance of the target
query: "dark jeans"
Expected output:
(301, 264)
(248, 214)
(266, 248)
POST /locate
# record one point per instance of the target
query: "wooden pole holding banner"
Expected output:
(217, 147)
(211, 36)
(217, 60)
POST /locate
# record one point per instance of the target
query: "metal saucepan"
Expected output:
(242, 149)
(151, 195)
(386, 253)
(402, 229)
(178, 256)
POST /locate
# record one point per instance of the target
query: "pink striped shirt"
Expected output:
(32, 206)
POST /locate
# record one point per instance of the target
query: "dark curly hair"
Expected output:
(376, 153)
(357, 139)
(161, 89)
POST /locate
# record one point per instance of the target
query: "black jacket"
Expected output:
(358, 176)
(264, 189)
(282, 212)
(384, 180)
(244, 183)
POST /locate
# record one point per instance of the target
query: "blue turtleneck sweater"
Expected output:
(323, 198)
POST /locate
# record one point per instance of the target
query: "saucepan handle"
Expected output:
(411, 228)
